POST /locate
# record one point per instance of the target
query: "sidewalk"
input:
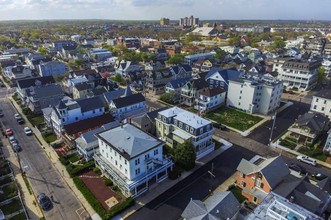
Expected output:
(50, 152)
(31, 206)
(157, 189)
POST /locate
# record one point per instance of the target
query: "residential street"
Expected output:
(283, 121)
(41, 174)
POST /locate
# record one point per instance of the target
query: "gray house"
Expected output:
(44, 96)
(222, 205)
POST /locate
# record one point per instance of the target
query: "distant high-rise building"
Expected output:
(164, 21)
(188, 21)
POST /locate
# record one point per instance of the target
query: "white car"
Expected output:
(307, 160)
(12, 140)
(18, 116)
(27, 131)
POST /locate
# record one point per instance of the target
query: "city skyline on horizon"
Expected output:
(172, 9)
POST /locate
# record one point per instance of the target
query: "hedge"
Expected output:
(115, 210)
(89, 197)
(74, 170)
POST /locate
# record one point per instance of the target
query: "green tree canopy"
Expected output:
(278, 43)
(184, 155)
(176, 59)
(321, 75)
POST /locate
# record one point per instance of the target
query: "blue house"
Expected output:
(52, 68)
(219, 78)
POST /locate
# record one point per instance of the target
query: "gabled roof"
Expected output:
(222, 205)
(153, 114)
(268, 168)
(90, 103)
(197, 84)
(129, 100)
(325, 185)
(115, 94)
(303, 193)
(324, 93)
(128, 140)
(47, 90)
(43, 80)
(210, 92)
(84, 72)
(226, 74)
(178, 83)
(313, 120)
(83, 86)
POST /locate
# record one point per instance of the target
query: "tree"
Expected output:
(168, 98)
(176, 59)
(234, 41)
(278, 43)
(320, 75)
(184, 155)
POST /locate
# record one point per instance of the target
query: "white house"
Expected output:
(176, 125)
(322, 102)
(87, 143)
(255, 94)
(209, 99)
(127, 106)
(219, 78)
(69, 111)
(131, 158)
(327, 146)
(17, 72)
(299, 73)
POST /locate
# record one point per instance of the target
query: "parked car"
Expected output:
(12, 140)
(319, 176)
(27, 131)
(44, 201)
(16, 147)
(21, 121)
(307, 160)
(298, 168)
(9, 132)
(219, 126)
(17, 116)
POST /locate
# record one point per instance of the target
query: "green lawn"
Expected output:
(8, 192)
(49, 138)
(237, 193)
(288, 142)
(37, 120)
(234, 118)
(20, 216)
(12, 207)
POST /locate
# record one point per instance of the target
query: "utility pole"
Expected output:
(272, 128)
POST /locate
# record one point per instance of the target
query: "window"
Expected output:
(322, 109)
(239, 97)
(238, 103)
(120, 166)
(324, 101)
(260, 175)
(116, 162)
(137, 171)
(315, 107)
(191, 130)
(146, 156)
(137, 161)
(156, 151)
(243, 183)
(180, 124)
(125, 162)
(120, 157)
(317, 100)
(242, 175)
(126, 171)
(187, 128)
(259, 184)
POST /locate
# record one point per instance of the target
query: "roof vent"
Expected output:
(128, 138)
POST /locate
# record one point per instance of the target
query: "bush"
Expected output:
(75, 170)
(97, 170)
(107, 181)
(64, 161)
(90, 197)
(175, 173)
(117, 209)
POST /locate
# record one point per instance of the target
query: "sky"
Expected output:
(173, 9)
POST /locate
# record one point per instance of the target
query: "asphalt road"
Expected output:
(41, 173)
(172, 203)
(283, 121)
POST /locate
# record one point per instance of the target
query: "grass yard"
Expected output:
(234, 118)
(49, 138)
(20, 216)
(288, 142)
(8, 192)
(237, 193)
(37, 120)
(12, 207)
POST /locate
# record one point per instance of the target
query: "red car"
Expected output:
(9, 132)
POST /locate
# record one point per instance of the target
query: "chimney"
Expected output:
(121, 123)
(291, 199)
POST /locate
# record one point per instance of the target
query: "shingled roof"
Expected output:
(129, 100)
